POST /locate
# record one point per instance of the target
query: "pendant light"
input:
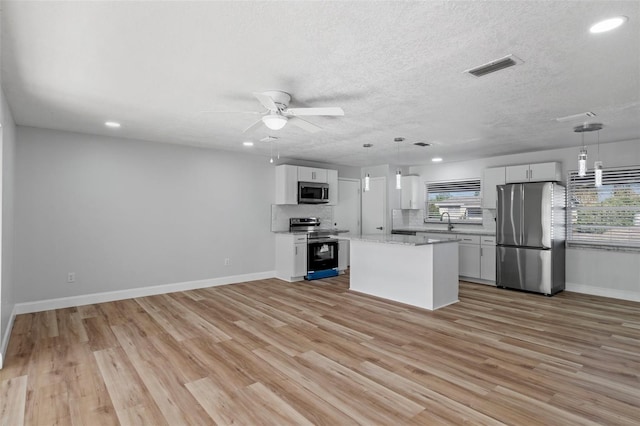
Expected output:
(597, 166)
(582, 156)
(398, 171)
(367, 177)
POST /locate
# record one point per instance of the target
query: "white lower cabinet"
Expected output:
(291, 256)
(488, 259)
(469, 256)
(476, 255)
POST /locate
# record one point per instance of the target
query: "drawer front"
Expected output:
(488, 241)
(299, 238)
(469, 239)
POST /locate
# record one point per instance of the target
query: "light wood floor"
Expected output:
(270, 352)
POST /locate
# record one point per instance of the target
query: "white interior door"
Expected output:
(346, 214)
(374, 206)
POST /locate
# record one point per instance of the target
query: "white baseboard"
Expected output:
(632, 296)
(110, 296)
(5, 337)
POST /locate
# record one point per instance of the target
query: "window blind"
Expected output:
(608, 215)
(460, 199)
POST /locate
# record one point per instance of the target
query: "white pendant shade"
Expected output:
(366, 182)
(582, 163)
(597, 167)
(398, 179)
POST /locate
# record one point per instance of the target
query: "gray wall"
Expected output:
(7, 283)
(124, 214)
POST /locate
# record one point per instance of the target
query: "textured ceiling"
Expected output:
(396, 68)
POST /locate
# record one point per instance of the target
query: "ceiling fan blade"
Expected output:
(314, 111)
(266, 101)
(253, 126)
(304, 124)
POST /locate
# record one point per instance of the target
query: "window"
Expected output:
(605, 216)
(460, 199)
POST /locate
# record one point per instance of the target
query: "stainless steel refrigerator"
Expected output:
(530, 236)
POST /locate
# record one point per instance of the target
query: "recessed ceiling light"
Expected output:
(608, 24)
(436, 159)
(423, 144)
(367, 145)
(112, 124)
(247, 143)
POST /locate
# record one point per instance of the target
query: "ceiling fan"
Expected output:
(278, 113)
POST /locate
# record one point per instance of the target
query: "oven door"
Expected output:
(322, 254)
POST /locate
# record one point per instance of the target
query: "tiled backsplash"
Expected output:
(404, 218)
(415, 218)
(280, 215)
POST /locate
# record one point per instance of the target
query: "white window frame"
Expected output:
(464, 185)
(603, 225)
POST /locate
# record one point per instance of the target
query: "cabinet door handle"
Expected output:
(296, 250)
(481, 251)
(530, 174)
(379, 227)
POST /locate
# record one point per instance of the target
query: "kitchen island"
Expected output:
(409, 269)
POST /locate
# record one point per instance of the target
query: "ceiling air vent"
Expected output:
(493, 66)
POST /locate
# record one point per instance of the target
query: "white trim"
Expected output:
(632, 296)
(110, 296)
(7, 335)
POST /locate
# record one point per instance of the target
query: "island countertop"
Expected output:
(407, 240)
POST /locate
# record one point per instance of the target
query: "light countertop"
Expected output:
(480, 231)
(407, 240)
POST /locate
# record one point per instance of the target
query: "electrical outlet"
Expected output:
(71, 277)
(227, 261)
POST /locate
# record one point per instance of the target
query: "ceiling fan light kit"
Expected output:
(274, 121)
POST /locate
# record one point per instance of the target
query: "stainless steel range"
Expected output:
(322, 249)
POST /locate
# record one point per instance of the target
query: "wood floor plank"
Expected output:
(13, 397)
(272, 352)
(126, 389)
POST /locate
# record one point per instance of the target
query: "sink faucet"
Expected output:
(449, 225)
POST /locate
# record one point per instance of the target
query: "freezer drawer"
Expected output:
(529, 269)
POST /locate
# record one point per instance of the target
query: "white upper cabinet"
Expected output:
(517, 173)
(411, 194)
(332, 180)
(490, 179)
(286, 184)
(287, 178)
(311, 174)
(540, 172)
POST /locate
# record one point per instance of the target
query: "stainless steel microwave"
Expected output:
(313, 193)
